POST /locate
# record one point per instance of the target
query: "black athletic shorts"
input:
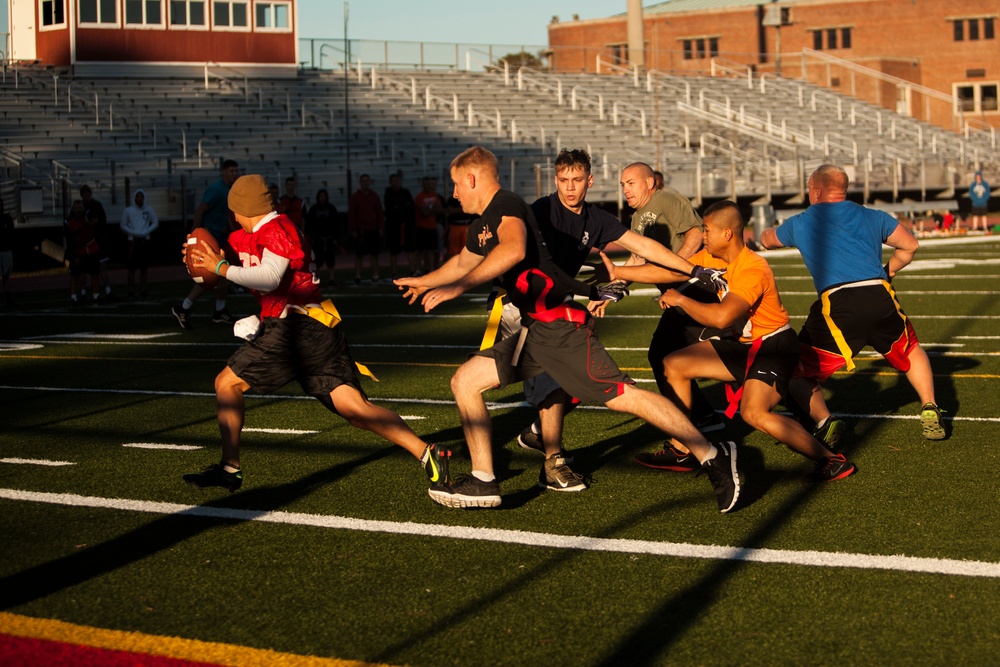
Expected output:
(572, 354)
(773, 364)
(298, 348)
(369, 242)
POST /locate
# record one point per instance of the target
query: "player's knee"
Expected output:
(754, 416)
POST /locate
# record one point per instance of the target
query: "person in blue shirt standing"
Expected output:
(979, 194)
(841, 244)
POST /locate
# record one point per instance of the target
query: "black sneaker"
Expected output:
(710, 422)
(833, 468)
(831, 433)
(223, 317)
(723, 474)
(436, 465)
(532, 441)
(183, 316)
(216, 475)
(669, 458)
(557, 476)
(930, 421)
(467, 492)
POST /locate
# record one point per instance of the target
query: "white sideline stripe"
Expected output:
(160, 445)
(282, 431)
(964, 568)
(37, 462)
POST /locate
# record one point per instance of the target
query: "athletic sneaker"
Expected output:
(183, 316)
(436, 465)
(530, 440)
(557, 476)
(710, 422)
(467, 492)
(930, 420)
(723, 474)
(216, 475)
(223, 317)
(669, 458)
(830, 433)
(833, 468)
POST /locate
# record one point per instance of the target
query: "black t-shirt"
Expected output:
(398, 206)
(536, 282)
(571, 236)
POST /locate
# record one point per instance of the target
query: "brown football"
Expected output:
(206, 275)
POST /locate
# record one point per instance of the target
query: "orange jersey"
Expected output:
(750, 278)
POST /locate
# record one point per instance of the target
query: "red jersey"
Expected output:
(294, 208)
(423, 203)
(298, 286)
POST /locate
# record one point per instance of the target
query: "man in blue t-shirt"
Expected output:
(213, 214)
(841, 243)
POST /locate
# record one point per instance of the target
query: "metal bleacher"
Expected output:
(728, 135)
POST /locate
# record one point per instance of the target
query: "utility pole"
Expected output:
(347, 109)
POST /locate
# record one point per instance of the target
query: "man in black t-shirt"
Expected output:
(558, 337)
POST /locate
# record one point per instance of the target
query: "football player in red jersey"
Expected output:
(297, 338)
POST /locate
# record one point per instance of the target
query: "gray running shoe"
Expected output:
(532, 441)
(930, 421)
(723, 474)
(557, 476)
(831, 433)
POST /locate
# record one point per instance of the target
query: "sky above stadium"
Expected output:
(503, 22)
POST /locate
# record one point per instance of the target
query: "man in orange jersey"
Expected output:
(761, 361)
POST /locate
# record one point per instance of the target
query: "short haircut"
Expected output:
(478, 158)
(226, 164)
(575, 159)
(830, 176)
(727, 213)
(85, 190)
(290, 179)
(645, 169)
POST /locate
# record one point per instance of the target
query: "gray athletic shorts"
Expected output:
(572, 354)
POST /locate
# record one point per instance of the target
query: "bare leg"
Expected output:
(551, 414)
(362, 413)
(920, 375)
(229, 390)
(759, 398)
(664, 415)
(468, 384)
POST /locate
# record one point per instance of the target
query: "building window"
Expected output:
(977, 97)
(973, 29)
(53, 13)
(99, 11)
(143, 12)
(835, 38)
(700, 47)
(272, 16)
(230, 14)
(187, 13)
(619, 52)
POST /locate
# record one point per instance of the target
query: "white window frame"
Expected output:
(272, 6)
(976, 97)
(100, 24)
(144, 25)
(52, 26)
(187, 11)
(232, 28)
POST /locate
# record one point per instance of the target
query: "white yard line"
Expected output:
(896, 563)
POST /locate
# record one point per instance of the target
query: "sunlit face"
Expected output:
(462, 190)
(572, 184)
(636, 188)
(714, 236)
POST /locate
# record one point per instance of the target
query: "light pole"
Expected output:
(347, 111)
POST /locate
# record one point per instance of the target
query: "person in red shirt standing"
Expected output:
(296, 338)
(291, 204)
(83, 252)
(366, 221)
(429, 206)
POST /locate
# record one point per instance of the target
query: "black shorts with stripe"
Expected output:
(298, 348)
(572, 354)
(773, 364)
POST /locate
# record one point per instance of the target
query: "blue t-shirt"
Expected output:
(840, 242)
(216, 218)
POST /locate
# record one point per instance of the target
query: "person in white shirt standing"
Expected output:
(138, 222)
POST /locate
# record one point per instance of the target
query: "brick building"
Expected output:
(146, 37)
(936, 60)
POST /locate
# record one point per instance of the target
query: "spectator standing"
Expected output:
(979, 194)
(429, 206)
(398, 204)
(138, 222)
(94, 211)
(84, 253)
(6, 253)
(322, 222)
(213, 214)
(291, 204)
(366, 221)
